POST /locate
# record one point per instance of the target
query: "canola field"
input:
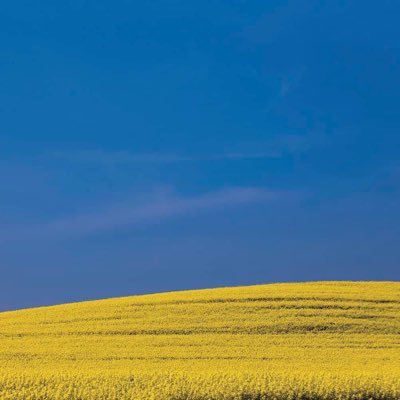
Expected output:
(321, 340)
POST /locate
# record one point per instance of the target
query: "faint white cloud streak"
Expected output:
(125, 216)
(125, 157)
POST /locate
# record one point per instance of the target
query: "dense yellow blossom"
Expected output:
(322, 340)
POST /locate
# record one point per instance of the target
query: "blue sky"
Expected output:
(152, 146)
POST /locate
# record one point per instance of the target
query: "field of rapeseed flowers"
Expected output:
(322, 340)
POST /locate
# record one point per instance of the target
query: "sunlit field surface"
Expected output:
(326, 340)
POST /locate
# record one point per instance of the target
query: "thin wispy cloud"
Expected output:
(125, 157)
(277, 146)
(159, 208)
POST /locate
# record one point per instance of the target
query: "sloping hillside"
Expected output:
(322, 340)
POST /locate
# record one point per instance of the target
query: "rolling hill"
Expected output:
(318, 340)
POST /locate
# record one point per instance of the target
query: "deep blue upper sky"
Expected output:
(151, 146)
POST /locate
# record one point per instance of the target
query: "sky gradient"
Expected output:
(153, 146)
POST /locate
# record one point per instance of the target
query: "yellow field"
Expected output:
(323, 340)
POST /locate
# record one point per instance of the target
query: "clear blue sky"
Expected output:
(157, 145)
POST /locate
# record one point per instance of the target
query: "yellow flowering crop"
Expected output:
(320, 340)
